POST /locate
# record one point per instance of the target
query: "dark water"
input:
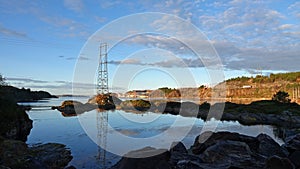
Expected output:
(125, 132)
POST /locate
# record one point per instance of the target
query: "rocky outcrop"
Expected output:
(16, 155)
(15, 126)
(73, 108)
(100, 101)
(221, 150)
(105, 101)
(14, 122)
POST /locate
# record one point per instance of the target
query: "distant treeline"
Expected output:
(289, 77)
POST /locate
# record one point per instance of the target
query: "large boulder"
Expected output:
(236, 150)
(292, 144)
(268, 147)
(155, 158)
(276, 162)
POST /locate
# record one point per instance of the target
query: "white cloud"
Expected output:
(286, 26)
(75, 5)
(10, 32)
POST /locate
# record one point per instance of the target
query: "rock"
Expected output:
(16, 154)
(292, 143)
(207, 139)
(276, 162)
(179, 153)
(70, 167)
(105, 101)
(294, 157)
(52, 155)
(187, 164)
(14, 121)
(224, 151)
(236, 150)
(135, 105)
(23, 95)
(156, 158)
(73, 108)
(178, 147)
(268, 147)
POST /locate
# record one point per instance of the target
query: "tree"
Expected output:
(282, 97)
(2, 81)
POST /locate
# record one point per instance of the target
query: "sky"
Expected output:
(52, 45)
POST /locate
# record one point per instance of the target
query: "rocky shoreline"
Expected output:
(15, 126)
(218, 151)
(266, 112)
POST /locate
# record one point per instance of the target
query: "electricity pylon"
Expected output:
(102, 117)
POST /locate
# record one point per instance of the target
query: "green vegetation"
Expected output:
(289, 77)
(241, 79)
(167, 90)
(141, 105)
(282, 97)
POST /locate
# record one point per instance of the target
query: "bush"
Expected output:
(282, 97)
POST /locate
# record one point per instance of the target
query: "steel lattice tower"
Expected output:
(102, 117)
(102, 81)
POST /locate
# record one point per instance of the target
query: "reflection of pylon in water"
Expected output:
(102, 117)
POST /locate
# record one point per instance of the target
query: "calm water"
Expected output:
(126, 131)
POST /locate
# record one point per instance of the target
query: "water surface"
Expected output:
(78, 132)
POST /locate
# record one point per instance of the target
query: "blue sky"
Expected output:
(43, 41)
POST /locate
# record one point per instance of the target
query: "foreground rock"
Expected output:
(221, 150)
(293, 146)
(158, 161)
(14, 122)
(16, 155)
